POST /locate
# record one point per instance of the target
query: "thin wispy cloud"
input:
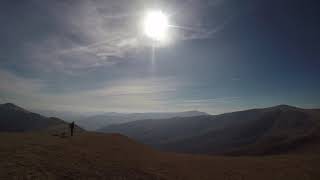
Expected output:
(103, 35)
(13, 84)
(92, 34)
(137, 95)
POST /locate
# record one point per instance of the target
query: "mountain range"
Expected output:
(271, 130)
(274, 130)
(96, 122)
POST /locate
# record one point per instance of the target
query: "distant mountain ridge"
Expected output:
(257, 131)
(16, 119)
(99, 121)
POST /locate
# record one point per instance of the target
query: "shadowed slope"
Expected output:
(16, 119)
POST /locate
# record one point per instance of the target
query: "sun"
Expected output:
(155, 25)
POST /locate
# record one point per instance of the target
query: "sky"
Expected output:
(92, 56)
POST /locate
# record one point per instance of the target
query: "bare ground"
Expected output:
(115, 157)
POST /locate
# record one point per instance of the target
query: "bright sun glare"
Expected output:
(155, 25)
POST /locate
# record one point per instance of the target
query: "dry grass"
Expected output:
(115, 157)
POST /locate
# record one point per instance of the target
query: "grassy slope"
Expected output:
(112, 156)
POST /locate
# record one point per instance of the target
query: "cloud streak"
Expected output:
(11, 83)
(94, 32)
(136, 95)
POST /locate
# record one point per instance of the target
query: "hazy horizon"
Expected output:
(65, 114)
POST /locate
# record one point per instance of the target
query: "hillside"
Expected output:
(96, 122)
(272, 130)
(16, 119)
(115, 157)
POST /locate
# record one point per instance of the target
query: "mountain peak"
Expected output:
(285, 107)
(8, 104)
(195, 112)
(13, 107)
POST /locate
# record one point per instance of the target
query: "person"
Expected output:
(71, 125)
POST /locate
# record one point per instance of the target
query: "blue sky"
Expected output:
(90, 55)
